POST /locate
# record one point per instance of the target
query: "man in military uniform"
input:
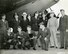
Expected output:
(35, 21)
(32, 37)
(53, 25)
(8, 44)
(21, 38)
(44, 34)
(63, 27)
(3, 30)
(16, 23)
(24, 22)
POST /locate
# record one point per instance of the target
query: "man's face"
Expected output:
(10, 30)
(29, 17)
(16, 16)
(44, 15)
(41, 26)
(63, 12)
(24, 14)
(19, 29)
(4, 17)
(36, 14)
(52, 15)
(28, 28)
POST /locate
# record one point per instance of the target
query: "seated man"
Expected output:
(8, 44)
(32, 38)
(44, 33)
(20, 36)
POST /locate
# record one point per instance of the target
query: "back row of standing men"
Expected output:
(28, 20)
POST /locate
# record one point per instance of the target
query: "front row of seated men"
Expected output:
(28, 39)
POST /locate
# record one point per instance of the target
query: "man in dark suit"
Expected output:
(44, 34)
(24, 22)
(63, 26)
(16, 23)
(45, 20)
(35, 21)
(35, 25)
(40, 18)
(3, 30)
(29, 20)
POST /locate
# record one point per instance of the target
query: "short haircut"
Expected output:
(62, 10)
(3, 15)
(29, 26)
(19, 27)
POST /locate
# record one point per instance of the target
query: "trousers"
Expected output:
(53, 38)
(63, 38)
(44, 44)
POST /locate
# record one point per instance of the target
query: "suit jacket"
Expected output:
(15, 25)
(29, 22)
(22, 35)
(24, 24)
(11, 36)
(35, 24)
(31, 34)
(52, 23)
(63, 23)
(40, 19)
(3, 26)
(45, 33)
(45, 22)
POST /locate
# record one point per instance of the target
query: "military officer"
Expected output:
(16, 23)
(3, 30)
(53, 25)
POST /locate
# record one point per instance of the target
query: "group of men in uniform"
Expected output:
(62, 27)
(29, 31)
(23, 34)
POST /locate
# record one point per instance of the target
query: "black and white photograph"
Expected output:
(33, 27)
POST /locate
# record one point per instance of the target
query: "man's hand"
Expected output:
(45, 39)
(66, 30)
(33, 37)
(9, 40)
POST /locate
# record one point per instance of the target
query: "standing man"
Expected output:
(63, 26)
(35, 25)
(45, 20)
(16, 23)
(35, 20)
(24, 22)
(3, 30)
(29, 19)
(53, 25)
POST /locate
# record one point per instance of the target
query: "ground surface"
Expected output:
(51, 51)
